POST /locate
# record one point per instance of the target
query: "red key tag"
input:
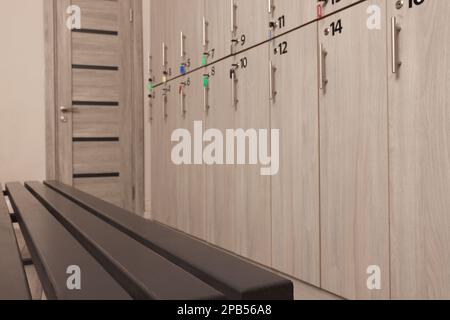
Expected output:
(319, 11)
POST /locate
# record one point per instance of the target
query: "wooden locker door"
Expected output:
(329, 6)
(94, 105)
(187, 24)
(285, 15)
(419, 116)
(253, 221)
(354, 154)
(248, 23)
(191, 178)
(217, 33)
(157, 39)
(295, 189)
(220, 194)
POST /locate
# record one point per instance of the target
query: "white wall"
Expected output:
(22, 95)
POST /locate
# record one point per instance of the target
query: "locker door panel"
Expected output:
(187, 25)
(295, 189)
(250, 23)
(191, 178)
(354, 154)
(217, 30)
(252, 189)
(163, 170)
(221, 195)
(289, 14)
(419, 116)
(330, 6)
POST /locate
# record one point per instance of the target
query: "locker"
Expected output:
(326, 7)
(191, 178)
(186, 32)
(216, 34)
(163, 171)
(295, 189)
(220, 193)
(285, 15)
(248, 23)
(419, 149)
(250, 98)
(354, 154)
(162, 45)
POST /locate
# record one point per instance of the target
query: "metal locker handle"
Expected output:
(204, 41)
(164, 106)
(394, 38)
(233, 89)
(205, 99)
(322, 80)
(271, 80)
(182, 106)
(164, 54)
(233, 18)
(270, 6)
(181, 44)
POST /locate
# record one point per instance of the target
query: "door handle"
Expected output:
(164, 60)
(233, 17)
(395, 29)
(234, 81)
(206, 95)
(204, 40)
(182, 52)
(322, 76)
(272, 70)
(271, 7)
(182, 96)
(67, 110)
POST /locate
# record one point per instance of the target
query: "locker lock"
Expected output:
(324, 2)
(399, 4)
(327, 31)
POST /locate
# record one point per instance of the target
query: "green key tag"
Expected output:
(205, 81)
(204, 62)
(150, 86)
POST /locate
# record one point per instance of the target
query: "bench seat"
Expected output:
(54, 249)
(13, 282)
(234, 277)
(141, 271)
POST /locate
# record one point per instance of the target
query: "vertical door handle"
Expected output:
(271, 80)
(204, 40)
(182, 52)
(164, 106)
(233, 17)
(234, 80)
(395, 29)
(164, 61)
(270, 6)
(322, 76)
(205, 98)
(150, 107)
(182, 106)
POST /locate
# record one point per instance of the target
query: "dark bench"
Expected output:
(120, 255)
(13, 283)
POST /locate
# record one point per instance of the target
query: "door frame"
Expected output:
(51, 98)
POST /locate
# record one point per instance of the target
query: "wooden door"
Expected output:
(285, 15)
(95, 100)
(419, 116)
(354, 153)
(295, 189)
(248, 23)
(217, 33)
(220, 193)
(191, 178)
(252, 202)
